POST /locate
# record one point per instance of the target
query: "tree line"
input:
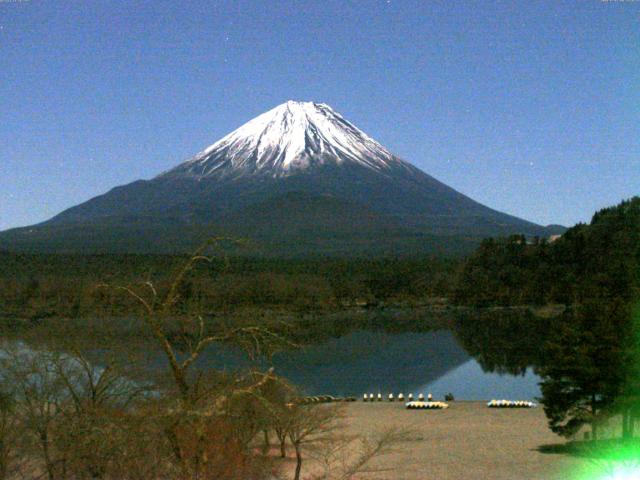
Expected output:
(589, 360)
(66, 286)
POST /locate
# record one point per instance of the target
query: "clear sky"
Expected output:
(530, 107)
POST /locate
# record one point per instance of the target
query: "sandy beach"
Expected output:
(466, 441)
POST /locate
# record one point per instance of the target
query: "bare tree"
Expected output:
(194, 337)
(8, 431)
(40, 393)
(344, 457)
(275, 397)
(95, 414)
(200, 402)
(309, 426)
(73, 415)
(317, 432)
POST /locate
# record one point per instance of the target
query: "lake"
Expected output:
(476, 356)
(377, 361)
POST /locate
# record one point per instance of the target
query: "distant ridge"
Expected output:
(300, 179)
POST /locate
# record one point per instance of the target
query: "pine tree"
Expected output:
(584, 372)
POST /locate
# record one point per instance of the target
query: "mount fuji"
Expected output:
(298, 180)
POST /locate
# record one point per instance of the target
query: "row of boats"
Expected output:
(421, 403)
(429, 403)
(392, 398)
(511, 404)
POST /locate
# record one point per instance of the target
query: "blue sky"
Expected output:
(530, 107)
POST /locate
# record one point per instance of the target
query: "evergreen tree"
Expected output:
(593, 370)
(584, 371)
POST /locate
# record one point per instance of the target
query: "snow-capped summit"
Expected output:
(291, 137)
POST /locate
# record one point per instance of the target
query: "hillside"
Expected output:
(602, 257)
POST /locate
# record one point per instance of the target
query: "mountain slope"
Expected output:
(298, 157)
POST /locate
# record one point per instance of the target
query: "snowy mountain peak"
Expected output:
(291, 137)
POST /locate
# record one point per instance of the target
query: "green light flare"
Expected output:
(608, 460)
(623, 473)
(614, 470)
(626, 473)
(614, 458)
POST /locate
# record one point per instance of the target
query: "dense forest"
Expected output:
(586, 259)
(589, 359)
(47, 285)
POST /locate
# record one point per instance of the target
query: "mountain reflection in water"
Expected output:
(377, 361)
(474, 354)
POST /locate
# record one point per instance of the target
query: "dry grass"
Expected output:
(467, 441)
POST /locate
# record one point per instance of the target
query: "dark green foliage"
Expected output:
(585, 369)
(44, 285)
(591, 363)
(592, 370)
(505, 272)
(595, 259)
(497, 339)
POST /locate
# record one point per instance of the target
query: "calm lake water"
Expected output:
(376, 361)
